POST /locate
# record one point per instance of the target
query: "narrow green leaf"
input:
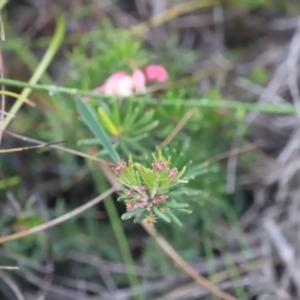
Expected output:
(107, 122)
(132, 213)
(116, 112)
(160, 214)
(132, 118)
(147, 175)
(123, 198)
(147, 117)
(146, 128)
(174, 205)
(138, 178)
(186, 211)
(96, 128)
(174, 219)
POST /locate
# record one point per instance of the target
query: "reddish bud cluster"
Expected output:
(130, 205)
(158, 165)
(146, 185)
(120, 167)
(142, 199)
(173, 173)
(159, 199)
(143, 189)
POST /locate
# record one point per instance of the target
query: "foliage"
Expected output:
(175, 181)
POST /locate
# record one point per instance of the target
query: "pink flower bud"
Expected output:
(158, 165)
(142, 204)
(139, 198)
(143, 189)
(128, 193)
(156, 73)
(149, 206)
(159, 199)
(139, 81)
(130, 205)
(173, 173)
(120, 167)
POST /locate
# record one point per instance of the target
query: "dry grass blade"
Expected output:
(9, 268)
(18, 96)
(285, 251)
(170, 14)
(179, 126)
(60, 219)
(234, 152)
(29, 147)
(71, 151)
(12, 285)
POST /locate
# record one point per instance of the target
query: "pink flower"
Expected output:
(118, 84)
(121, 84)
(156, 73)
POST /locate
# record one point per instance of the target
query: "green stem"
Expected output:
(231, 104)
(123, 244)
(122, 240)
(46, 60)
(3, 3)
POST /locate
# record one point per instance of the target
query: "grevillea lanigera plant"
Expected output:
(146, 192)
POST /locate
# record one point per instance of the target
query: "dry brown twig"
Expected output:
(171, 252)
(180, 262)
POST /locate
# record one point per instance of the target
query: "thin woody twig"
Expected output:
(180, 262)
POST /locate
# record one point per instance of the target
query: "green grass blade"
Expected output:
(46, 60)
(3, 3)
(96, 128)
(202, 102)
